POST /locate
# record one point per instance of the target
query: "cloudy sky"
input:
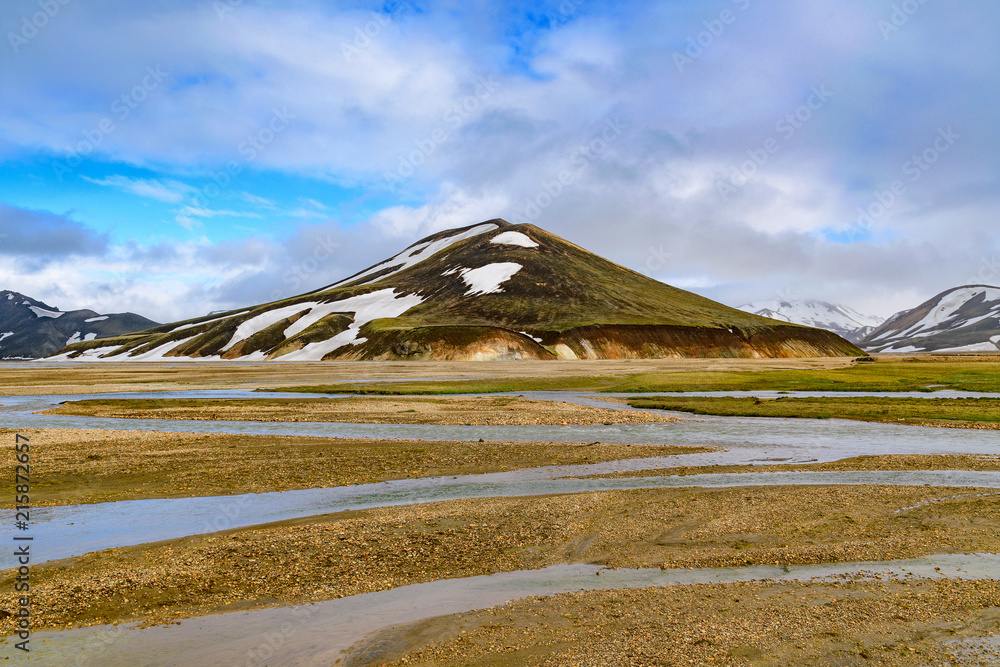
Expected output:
(176, 157)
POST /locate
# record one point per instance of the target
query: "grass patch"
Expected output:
(923, 375)
(873, 409)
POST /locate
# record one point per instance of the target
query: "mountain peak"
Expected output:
(841, 320)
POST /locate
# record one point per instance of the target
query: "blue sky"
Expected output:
(172, 157)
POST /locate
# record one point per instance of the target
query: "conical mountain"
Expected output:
(488, 291)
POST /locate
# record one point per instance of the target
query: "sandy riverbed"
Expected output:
(328, 557)
(480, 411)
(73, 466)
(904, 623)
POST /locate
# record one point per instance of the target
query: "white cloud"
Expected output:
(356, 118)
(170, 191)
(201, 212)
(452, 207)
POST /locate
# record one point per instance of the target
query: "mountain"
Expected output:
(488, 291)
(963, 319)
(30, 329)
(841, 320)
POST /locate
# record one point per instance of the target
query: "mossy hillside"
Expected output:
(560, 288)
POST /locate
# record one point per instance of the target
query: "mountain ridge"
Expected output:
(960, 319)
(32, 329)
(841, 320)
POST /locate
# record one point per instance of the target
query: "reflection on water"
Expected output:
(318, 634)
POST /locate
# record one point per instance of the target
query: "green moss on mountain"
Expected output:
(563, 302)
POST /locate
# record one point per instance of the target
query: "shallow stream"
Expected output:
(316, 634)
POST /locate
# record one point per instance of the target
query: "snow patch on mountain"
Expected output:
(514, 238)
(415, 254)
(947, 309)
(198, 324)
(75, 338)
(486, 279)
(158, 353)
(100, 318)
(260, 322)
(41, 312)
(93, 354)
(975, 347)
(366, 307)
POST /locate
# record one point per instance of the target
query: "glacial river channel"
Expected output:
(320, 632)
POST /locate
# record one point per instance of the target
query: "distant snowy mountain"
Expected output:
(963, 319)
(30, 329)
(841, 320)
